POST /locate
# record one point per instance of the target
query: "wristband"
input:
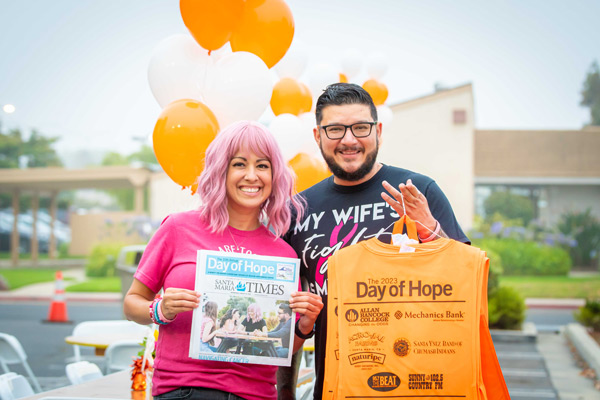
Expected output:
(152, 309)
(155, 313)
(433, 235)
(302, 335)
(161, 316)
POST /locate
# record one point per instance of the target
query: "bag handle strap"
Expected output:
(411, 227)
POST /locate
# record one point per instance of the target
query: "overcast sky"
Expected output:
(77, 69)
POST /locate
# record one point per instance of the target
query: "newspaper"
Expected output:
(239, 291)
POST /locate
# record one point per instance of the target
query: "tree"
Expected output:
(145, 154)
(38, 150)
(590, 94)
(124, 197)
(10, 148)
(509, 205)
(114, 158)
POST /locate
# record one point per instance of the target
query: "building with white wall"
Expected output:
(433, 135)
(436, 135)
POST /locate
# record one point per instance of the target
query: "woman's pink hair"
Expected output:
(257, 312)
(254, 137)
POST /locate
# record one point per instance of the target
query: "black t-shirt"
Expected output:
(338, 216)
(251, 326)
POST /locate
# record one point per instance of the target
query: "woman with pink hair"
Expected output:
(254, 319)
(247, 192)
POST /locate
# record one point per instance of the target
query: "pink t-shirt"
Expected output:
(170, 261)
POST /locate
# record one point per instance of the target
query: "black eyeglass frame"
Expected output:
(351, 129)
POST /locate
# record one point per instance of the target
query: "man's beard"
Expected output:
(357, 175)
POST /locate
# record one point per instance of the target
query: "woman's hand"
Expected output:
(176, 300)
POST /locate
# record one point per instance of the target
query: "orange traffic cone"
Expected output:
(58, 307)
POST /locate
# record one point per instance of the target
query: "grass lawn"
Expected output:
(528, 286)
(5, 255)
(108, 284)
(17, 278)
(554, 286)
(20, 277)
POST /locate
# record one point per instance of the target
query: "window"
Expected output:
(460, 117)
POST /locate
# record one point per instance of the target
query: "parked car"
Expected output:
(62, 232)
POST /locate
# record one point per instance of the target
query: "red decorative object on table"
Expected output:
(138, 377)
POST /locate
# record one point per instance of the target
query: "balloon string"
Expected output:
(203, 88)
(403, 207)
(418, 222)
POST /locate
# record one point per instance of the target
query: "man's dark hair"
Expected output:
(339, 94)
(285, 307)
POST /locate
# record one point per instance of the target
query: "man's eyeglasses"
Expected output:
(359, 130)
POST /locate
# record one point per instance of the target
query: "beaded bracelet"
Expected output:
(156, 314)
(161, 316)
(153, 314)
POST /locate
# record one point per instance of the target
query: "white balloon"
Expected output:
(178, 69)
(222, 52)
(267, 117)
(351, 63)
(293, 64)
(308, 124)
(377, 65)
(385, 115)
(239, 88)
(291, 134)
(319, 77)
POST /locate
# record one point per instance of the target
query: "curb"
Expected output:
(572, 304)
(527, 334)
(587, 347)
(70, 297)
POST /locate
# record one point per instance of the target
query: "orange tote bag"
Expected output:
(410, 324)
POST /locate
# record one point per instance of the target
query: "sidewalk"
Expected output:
(45, 291)
(564, 374)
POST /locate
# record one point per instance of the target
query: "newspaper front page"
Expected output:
(244, 308)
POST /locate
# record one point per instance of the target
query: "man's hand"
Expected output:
(309, 305)
(415, 204)
(176, 300)
(259, 333)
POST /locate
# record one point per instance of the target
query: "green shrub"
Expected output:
(589, 314)
(495, 271)
(63, 250)
(527, 258)
(585, 229)
(103, 260)
(506, 308)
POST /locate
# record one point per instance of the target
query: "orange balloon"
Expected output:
(211, 22)
(309, 170)
(306, 98)
(181, 135)
(343, 78)
(287, 97)
(266, 29)
(377, 90)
